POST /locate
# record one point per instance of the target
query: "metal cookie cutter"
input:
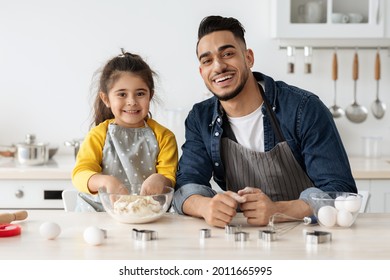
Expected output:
(144, 234)
(205, 233)
(104, 233)
(267, 235)
(232, 229)
(241, 236)
(316, 237)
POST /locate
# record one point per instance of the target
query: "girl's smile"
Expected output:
(129, 100)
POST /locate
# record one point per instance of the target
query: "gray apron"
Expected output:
(276, 172)
(130, 155)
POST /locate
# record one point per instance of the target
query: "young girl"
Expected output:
(126, 149)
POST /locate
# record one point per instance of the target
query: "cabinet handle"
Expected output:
(19, 193)
(375, 7)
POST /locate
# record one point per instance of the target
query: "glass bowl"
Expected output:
(136, 209)
(335, 209)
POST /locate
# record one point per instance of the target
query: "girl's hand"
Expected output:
(112, 184)
(155, 184)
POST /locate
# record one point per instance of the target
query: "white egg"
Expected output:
(49, 230)
(352, 203)
(327, 216)
(94, 235)
(344, 218)
(339, 202)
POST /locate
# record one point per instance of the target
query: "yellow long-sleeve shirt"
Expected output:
(90, 155)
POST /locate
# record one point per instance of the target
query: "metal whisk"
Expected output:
(281, 223)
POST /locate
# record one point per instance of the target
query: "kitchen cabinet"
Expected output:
(379, 201)
(32, 194)
(321, 19)
(35, 187)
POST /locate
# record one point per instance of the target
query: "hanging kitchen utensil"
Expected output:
(356, 113)
(336, 110)
(290, 59)
(378, 108)
(308, 53)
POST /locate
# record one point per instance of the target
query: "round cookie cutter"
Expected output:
(232, 229)
(204, 233)
(241, 236)
(144, 234)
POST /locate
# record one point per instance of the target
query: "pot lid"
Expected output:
(30, 141)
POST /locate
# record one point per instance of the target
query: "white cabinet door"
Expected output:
(32, 194)
(296, 19)
(380, 196)
(379, 200)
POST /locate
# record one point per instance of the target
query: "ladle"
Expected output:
(336, 110)
(355, 112)
(378, 108)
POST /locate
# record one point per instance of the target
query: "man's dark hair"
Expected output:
(217, 23)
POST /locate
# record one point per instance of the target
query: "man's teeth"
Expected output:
(223, 79)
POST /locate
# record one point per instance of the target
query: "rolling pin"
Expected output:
(6, 218)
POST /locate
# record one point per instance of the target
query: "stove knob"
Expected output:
(19, 193)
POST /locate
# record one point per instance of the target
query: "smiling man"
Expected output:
(267, 144)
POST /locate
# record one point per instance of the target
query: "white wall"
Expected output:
(49, 51)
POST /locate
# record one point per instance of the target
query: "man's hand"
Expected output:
(258, 207)
(217, 211)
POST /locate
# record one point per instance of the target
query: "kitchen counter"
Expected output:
(58, 168)
(178, 238)
(370, 168)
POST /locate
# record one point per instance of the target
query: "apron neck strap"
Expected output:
(274, 120)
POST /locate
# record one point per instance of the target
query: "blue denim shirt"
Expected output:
(307, 126)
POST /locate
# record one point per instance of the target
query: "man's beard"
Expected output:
(234, 93)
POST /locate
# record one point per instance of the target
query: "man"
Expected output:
(267, 144)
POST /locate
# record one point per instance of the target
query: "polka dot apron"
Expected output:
(130, 155)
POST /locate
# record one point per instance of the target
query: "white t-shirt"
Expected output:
(249, 130)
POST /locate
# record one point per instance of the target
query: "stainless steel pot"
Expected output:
(31, 153)
(75, 143)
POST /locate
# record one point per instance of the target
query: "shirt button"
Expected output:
(219, 120)
(216, 164)
(216, 134)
